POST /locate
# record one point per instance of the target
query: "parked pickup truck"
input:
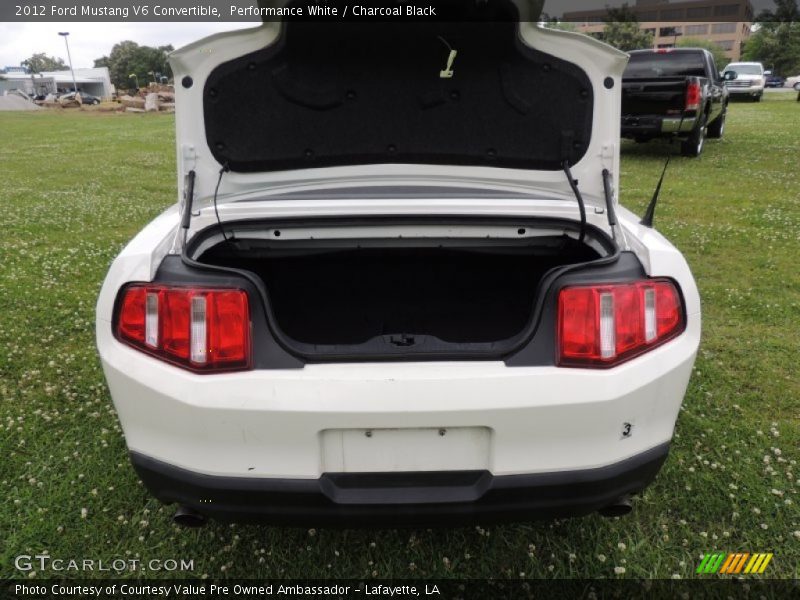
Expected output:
(674, 93)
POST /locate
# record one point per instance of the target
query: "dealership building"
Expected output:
(724, 22)
(94, 81)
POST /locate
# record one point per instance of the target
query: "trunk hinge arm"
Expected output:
(573, 184)
(188, 158)
(188, 193)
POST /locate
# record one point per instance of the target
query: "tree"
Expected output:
(776, 47)
(41, 62)
(128, 58)
(776, 42)
(786, 11)
(546, 20)
(623, 32)
(560, 25)
(716, 50)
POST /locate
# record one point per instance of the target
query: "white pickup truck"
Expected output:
(397, 286)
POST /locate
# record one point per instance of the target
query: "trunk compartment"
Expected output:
(389, 295)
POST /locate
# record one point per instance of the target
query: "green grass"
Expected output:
(77, 186)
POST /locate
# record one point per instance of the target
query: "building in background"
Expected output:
(94, 81)
(724, 22)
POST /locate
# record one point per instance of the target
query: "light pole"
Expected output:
(64, 34)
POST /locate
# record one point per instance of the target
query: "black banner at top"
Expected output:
(576, 11)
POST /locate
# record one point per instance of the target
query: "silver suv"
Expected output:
(749, 81)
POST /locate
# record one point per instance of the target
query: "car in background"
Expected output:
(773, 81)
(793, 82)
(749, 81)
(85, 98)
(674, 93)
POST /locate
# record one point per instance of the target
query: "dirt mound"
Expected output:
(16, 103)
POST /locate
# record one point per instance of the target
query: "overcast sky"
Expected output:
(88, 41)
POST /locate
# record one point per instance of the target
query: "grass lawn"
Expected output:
(77, 186)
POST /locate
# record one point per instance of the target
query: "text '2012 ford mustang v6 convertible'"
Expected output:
(398, 286)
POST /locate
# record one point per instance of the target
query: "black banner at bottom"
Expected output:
(443, 589)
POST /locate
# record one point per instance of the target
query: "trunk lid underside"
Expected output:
(363, 93)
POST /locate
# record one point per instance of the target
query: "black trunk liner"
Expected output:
(352, 296)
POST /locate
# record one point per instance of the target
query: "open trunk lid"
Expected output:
(302, 106)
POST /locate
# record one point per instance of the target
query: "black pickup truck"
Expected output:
(673, 92)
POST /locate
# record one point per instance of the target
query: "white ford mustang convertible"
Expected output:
(397, 286)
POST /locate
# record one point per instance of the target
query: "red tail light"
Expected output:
(604, 325)
(200, 329)
(693, 96)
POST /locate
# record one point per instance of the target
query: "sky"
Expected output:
(88, 41)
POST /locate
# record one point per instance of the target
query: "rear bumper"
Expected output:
(653, 126)
(746, 91)
(400, 499)
(299, 424)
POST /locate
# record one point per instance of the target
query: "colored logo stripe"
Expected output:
(711, 562)
(733, 564)
(758, 563)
